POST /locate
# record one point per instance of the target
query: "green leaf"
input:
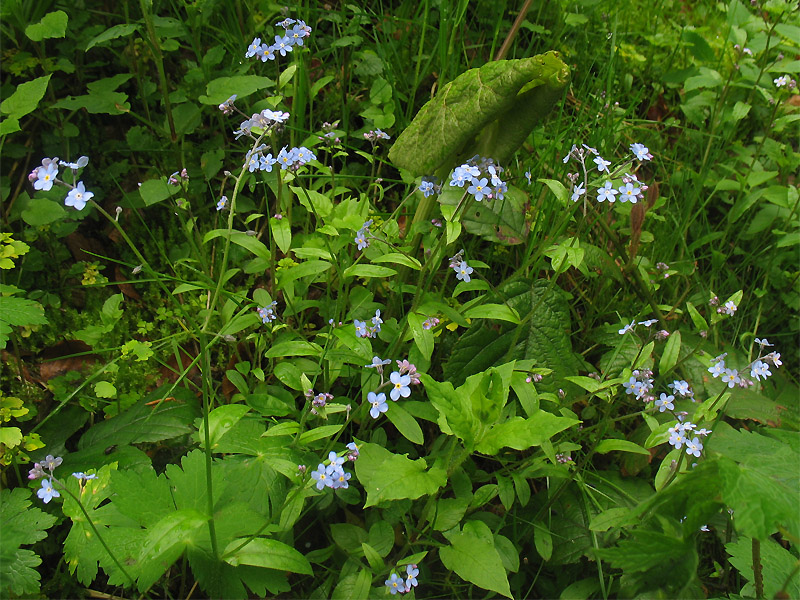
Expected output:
(612, 445)
(222, 419)
(501, 312)
(399, 259)
(294, 348)
(318, 433)
(672, 349)
(25, 98)
(778, 566)
(423, 338)
(142, 423)
(305, 269)
(220, 89)
(559, 191)
(405, 423)
(52, 25)
(101, 98)
(386, 476)
(360, 270)
(498, 221)
(543, 337)
(510, 95)
(609, 518)
(472, 555)
(268, 554)
(697, 319)
(165, 543)
(20, 311)
(154, 191)
(314, 202)
(356, 586)
(103, 389)
(240, 238)
(282, 233)
(42, 211)
(521, 434)
(543, 540)
(112, 33)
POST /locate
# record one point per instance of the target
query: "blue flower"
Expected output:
(463, 271)
(401, 383)
(285, 158)
(361, 328)
(84, 476)
(46, 176)
(322, 477)
(694, 447)
(680, 387)
(627, 328)
(361, 239)
(411, 576)
(641, 152)
(602, 165)
(760, 370)
(578, 191)
(629, 193)
(607, 192)
(266, 52)
(378, 402)
(459, 177)
(222, 202)
(665, 403)
(731, 377)
(426, 187)
(78, 197)
(479, 188)
(253, 48)
(335, 459)
(282, 45)
(395, 584)
(340, 479)
(377, 363)
(265, 163)
(47, 492)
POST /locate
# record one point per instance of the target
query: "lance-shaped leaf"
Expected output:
(498, 103)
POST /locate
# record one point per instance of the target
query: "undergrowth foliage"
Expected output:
(395, 324)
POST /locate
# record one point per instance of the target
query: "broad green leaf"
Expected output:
(611, 445)
(112, 33)
(101, 97)
(423, 338)
(779, 568)
(669, 357)
(386, 476)
(268, 554)
(165, 543)
(240, 238)
(559, 191)
(697, 319)
(405, 423)
(142, 423)
(472, 555)
(318, 433)
(610, 518)
(42, 211)
(369, 271)
(510, 96)
(294, 348)
(543, 336)
(399, 259)
(154, 191)
(314, 202)
(305, 269)
(501, 312)
(543, 540)
(646, 550)
(220, 89)
(282, 233)
(498, 221)
(356, 586)
(221, 420)
(521, 434)
(52, 25)
(25, 98)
